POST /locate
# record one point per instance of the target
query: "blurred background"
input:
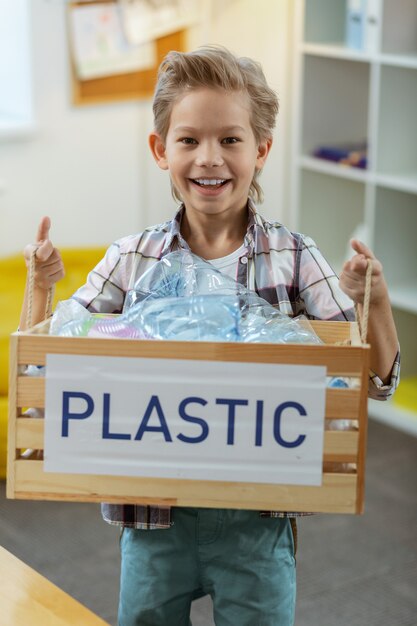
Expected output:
(80, 163)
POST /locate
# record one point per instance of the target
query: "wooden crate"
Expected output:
(340, 492)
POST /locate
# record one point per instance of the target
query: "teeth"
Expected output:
(210, 181)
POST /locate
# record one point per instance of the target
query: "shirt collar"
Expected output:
(255, 223)
(175, 239)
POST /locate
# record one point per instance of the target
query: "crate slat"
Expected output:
(340, 360)
(338, 445)
(329, 332)
(337, 494)
(30, 392)
(343, 403)
(30, 433)
(340, 403)
(341, 446)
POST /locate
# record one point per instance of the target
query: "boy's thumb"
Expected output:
(43, 229)
(44, 251)
(360, 248)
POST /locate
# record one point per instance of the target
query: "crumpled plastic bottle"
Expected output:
(183, 297)
(181, 274)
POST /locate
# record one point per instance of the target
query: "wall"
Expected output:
(89, 168)
(80, 167)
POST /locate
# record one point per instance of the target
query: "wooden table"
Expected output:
(26, 597)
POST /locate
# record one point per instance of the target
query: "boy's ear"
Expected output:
(263, 151)
(157, 147)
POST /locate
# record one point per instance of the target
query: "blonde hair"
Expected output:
(215, 66)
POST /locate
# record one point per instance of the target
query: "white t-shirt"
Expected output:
(228, 264)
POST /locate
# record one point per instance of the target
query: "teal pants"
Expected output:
(246, 563)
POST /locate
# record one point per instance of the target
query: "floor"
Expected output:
(352, 570)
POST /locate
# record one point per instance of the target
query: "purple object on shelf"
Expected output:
(351, 154)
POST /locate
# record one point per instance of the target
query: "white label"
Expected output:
(169, 418)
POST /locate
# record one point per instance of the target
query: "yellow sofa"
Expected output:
(78, 262)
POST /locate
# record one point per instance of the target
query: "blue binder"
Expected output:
(355, 24)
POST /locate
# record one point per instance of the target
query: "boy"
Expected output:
(214, 115)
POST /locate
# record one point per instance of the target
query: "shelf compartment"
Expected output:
(395, 247)
(325, 22)
(333, 169)
(336, 94)
(331, 209)
(397, 145)
(399, 32)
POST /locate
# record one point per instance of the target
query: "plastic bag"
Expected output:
(182, 274)
(71, 319)
(183, 297)
(195, 318)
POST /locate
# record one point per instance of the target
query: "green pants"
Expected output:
(244, 562)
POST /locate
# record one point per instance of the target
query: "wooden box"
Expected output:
(342, 489)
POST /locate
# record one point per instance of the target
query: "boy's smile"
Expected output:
(210, 151)
(210, 186)
(210, 183)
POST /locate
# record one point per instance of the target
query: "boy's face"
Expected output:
(211, 151)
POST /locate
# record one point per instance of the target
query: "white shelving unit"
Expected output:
(345, 95)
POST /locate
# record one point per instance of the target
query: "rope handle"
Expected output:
(31, 287)
(363, 323)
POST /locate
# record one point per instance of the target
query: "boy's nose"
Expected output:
(209, 156)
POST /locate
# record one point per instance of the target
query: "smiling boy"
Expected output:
(214, 115)
(211, 153)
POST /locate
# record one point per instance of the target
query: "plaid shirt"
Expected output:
(283, 267)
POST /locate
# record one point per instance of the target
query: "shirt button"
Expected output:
(244, 260)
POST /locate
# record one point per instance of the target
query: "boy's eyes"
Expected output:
(191, 141)
(230, 140)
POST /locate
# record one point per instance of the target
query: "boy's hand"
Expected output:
(352, 278)
(49, 267)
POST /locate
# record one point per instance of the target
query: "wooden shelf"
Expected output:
(333, 169)
(335, 51)
(399, 60)
(401, 182)
(340, 51)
